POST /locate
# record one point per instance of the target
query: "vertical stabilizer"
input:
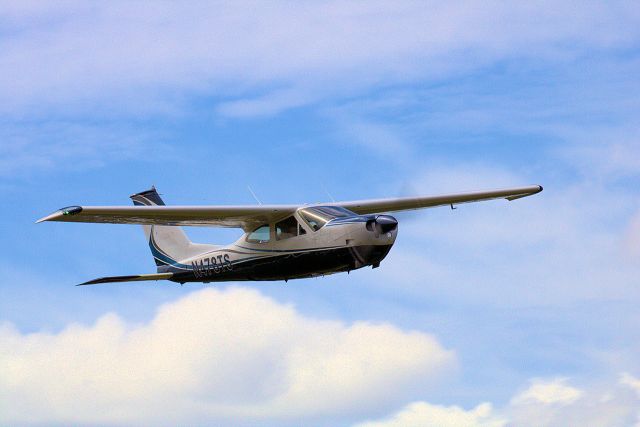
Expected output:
(168, 244)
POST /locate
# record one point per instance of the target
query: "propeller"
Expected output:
(382, 224)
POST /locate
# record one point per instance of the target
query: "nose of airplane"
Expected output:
(382, 224)
(386, 223)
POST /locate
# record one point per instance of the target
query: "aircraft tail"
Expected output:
(168, 244)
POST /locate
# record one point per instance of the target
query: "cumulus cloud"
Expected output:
(546, 402)
(423, 414)
(212, 355)
(548, 392)
(554, 402)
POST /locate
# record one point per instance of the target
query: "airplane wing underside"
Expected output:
(249, 217)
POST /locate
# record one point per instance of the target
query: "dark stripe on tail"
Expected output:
(147, 198)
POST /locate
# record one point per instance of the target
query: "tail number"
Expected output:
(209, 266)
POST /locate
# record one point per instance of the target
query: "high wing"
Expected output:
(409, 203)
(245, 217)
(249, 217)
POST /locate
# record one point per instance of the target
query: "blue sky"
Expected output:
(498, 313)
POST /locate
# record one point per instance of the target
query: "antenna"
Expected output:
(328, 194)
(254, 194)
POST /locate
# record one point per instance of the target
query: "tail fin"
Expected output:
(168, 244)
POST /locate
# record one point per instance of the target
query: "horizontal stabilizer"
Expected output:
(133, 278)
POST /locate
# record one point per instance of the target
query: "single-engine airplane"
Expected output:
(280, 242)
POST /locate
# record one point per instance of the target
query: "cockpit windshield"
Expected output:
(334, 211)
(318, 216)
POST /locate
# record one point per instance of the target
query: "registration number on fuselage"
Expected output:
(205, 267)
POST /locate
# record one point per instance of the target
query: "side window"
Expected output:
(259, 235)
(315, 221)
(287, 228)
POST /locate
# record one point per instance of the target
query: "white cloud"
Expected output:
(212, 355)
(378, 139)
(423, 414)
(555, 391)
(122, 59)
(125, 54)
(265, 105)
(548, 403)
(630, 381)
(583, 115)
(555, 403)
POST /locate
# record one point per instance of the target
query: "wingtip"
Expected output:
(69, 210)
(48, 217)
(529, 192)
(91, 282)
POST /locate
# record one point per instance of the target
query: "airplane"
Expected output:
(280, 242)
